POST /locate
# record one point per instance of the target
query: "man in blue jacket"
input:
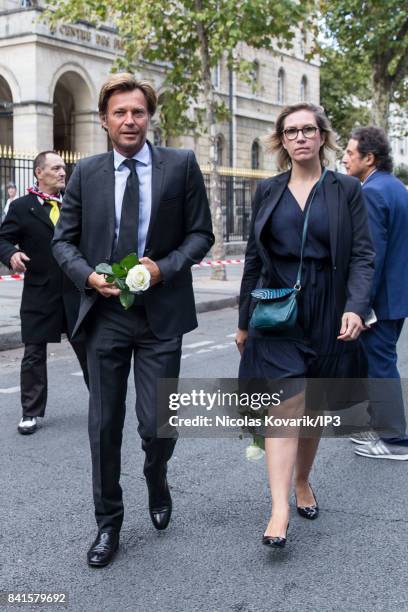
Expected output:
(368, 158)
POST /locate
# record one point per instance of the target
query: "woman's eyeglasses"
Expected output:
(308, 131)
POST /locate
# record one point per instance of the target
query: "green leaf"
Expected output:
(126, 299)
(103, 268)
(129, 261)
(118, 270)
(120, 284)
(110, 279)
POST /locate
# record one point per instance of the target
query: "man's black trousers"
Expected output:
(33, 376)
(114, 335)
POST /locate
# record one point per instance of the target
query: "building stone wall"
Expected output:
(34, 62)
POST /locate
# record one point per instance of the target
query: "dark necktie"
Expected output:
(129, 218)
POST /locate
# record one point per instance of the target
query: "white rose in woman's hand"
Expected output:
(138, 278)
(254, 453)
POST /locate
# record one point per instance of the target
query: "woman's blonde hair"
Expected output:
(274, 140)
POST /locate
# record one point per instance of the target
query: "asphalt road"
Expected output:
(353, 558)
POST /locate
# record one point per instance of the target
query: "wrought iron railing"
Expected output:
(237, 187)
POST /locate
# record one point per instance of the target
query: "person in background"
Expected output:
(50, 302)
(336, 285)
(368, 157)
(11, 196)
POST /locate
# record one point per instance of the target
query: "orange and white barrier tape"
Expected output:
(12, 277)
(202, 264)
(218, 262)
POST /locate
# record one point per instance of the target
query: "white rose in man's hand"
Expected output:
(138, 278)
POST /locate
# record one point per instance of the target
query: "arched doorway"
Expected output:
(64, 108)
(72, 103)
(6, 114)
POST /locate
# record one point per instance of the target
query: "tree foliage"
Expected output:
(188, 38)
(345, 95)
(170, 32)
(372, 34)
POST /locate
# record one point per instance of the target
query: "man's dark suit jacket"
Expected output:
(179, 234)
(352, 254)
(50, 301)
(387, 204)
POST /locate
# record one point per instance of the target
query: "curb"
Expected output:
(228, 302)
(12, 340)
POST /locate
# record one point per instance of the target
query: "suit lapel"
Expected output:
(271, 197)
(158, 172)
(332, 196)
(107, 200)
(38, 211)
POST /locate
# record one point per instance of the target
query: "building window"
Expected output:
(254, 74)
(255, 155)
(303, 89)
(219, 150)
(216, 76)
(281, 86)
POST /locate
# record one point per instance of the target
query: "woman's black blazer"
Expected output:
(352, 253)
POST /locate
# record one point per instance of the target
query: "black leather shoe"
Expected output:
(160, 504)
(309, 512)
(275, 542)
(104, 548)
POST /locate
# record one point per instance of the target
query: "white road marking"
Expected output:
(77, 373)
(223, 346)
(10, 390)
(197, 344)
(214, 347)
(230, 335)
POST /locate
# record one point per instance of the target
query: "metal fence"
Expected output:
(237, 188)
(18, 169)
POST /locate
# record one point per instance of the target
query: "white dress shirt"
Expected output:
(144, 172)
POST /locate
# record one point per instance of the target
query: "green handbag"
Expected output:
(277, 308)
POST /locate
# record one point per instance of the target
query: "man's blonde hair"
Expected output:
(124, 81)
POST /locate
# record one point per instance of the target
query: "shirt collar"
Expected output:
(370, 175)
(143, 156)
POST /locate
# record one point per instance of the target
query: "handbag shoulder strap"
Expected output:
(298, 284)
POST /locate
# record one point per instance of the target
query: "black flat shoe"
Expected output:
(160, 504)
(104, 548)
(275, 541)
(309, 512)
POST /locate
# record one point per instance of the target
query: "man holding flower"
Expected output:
(134, 218)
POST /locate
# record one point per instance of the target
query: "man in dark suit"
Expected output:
(50, 302)
(368, 158)
(152, 201)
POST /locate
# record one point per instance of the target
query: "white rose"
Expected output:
(253, 452)
(138, 278)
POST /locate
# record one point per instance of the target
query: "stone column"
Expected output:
(89, 137)
(32, 126)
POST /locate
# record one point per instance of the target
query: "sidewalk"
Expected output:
(209, 295)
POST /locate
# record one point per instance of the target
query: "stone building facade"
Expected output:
(49, 83)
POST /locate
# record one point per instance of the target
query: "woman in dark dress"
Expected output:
(336, 282)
